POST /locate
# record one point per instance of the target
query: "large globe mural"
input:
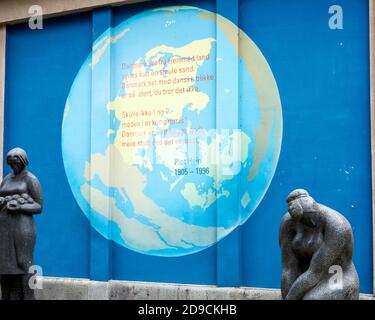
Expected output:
(172, 131)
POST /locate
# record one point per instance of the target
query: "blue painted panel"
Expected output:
(40, 67)
(196, 268)
(100, 250)
(229, 249)
(323, 79)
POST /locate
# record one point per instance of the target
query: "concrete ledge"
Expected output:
(82, 289)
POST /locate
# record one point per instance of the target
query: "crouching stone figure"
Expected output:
(317, 248)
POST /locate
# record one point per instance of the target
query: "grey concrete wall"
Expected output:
(81, 289)
(13, 11)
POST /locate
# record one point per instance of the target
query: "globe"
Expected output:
(172, 131)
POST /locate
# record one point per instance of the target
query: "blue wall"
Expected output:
(323, 79)
(40, 68)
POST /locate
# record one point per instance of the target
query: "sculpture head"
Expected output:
(301, 205)
(17, 160)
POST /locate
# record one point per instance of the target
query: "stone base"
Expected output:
(81, 289)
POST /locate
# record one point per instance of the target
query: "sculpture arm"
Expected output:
(35, 192)
(2, 200)
(31, 208)
(290, 270)
(320, 263)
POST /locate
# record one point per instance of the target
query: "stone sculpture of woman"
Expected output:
(317, 249)
(20, 198)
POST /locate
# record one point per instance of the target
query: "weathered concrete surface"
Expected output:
(18, 11)
(81, 289)
(120, 290)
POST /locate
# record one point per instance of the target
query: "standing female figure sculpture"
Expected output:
(20, 198)
(317, 249)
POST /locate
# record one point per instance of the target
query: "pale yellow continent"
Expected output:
(115, 173)
(224, 150)
(245, 200)
(265, 86)
(197, 47)
(147, 109)
(130, 228)
(219, 156)
(101, 47)
(204, 199)
(173, 9)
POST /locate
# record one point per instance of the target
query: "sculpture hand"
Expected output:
(13, 205)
